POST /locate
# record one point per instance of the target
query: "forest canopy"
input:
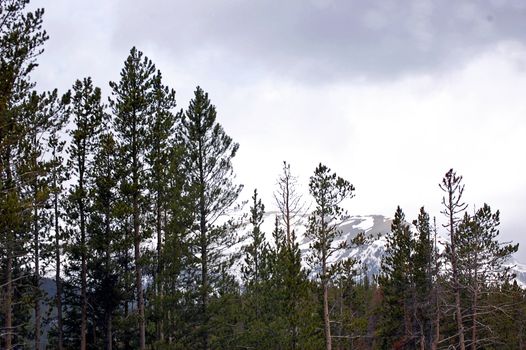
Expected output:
(118, 217)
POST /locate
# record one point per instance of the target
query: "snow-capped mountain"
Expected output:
(370, 254)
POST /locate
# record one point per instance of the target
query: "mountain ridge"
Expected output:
(370, 254)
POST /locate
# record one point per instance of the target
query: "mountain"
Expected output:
(375, 227)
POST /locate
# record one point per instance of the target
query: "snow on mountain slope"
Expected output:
(375, 227)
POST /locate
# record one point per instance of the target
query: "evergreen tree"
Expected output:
(41, 120)
(58, 177)
(481, 259)
(423, 270)
(396, 281)
(160, 134)
(176, 259)
(21, 40)
(132, 108)
(255, 254)
(328, 191)
(209, 167)
(453, 206)
(88, 113)
(292, 287)
(104, 271)
(255, 276)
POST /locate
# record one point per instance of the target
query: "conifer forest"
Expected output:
(122, 228)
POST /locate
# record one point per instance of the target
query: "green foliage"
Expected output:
(145, 177)
(208, 165)
(328, 191)
(396, 281)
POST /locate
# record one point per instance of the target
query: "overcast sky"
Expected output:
(389, 94)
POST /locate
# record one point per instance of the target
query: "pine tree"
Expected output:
(175, 256)
(396, 281)
(290, 276)
(328, 191)
(209, 167)
(132, 107)
(41, 119)
(453, 206)
(255, 254)
(255, 277)
(58, 176)
(481, 261)
(88, 113)
(423, 269)
(104, 240)
(21, 40)
(160, 140)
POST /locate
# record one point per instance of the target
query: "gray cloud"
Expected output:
(322, 40)
(390, 94)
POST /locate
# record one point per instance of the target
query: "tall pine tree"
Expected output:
(328, 191)
(209, 167)
(131, 102)
(453, 206)
(21, 40)
(88, 113)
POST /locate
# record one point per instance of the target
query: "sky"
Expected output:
(389, 94)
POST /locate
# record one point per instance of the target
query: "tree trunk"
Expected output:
(157, 278)
(434, 344)
(204, 249)
(58, 280)
(287, 213)
(138, 274)
(9, 266)
(9, 294)
(83, 288)
(109, 335)
(127, 276)
(38, 316)
(326, 316)
(204, 279)
(474, 329)
(137, 233)
(456, 283)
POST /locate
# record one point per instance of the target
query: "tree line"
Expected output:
(129, 209)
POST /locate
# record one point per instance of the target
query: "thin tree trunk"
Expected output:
(474, 329)
(162, 335)
(109, 335)
(138, 275)
(204, 250)
(326, 316)
(9, 294)
(204, 278)
(287, 212)
(58, 280)
(126, 277)
(38, 315)
(137, 233)
(456, 283)
(434, 344)
(9, 278)
(157, 278)
(83, 288)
